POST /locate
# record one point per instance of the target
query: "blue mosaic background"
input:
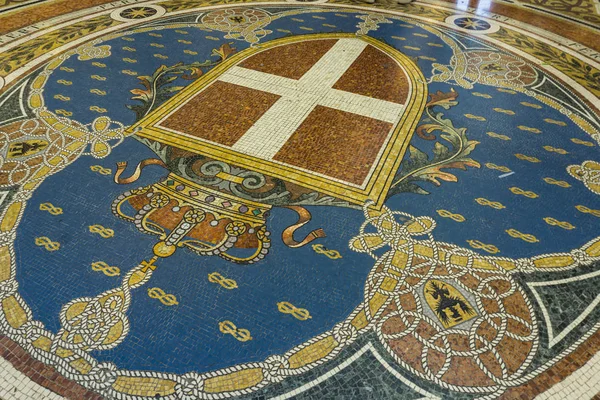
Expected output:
(186, 337)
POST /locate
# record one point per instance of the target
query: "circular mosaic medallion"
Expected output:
(470, 23)
(475, 25)
(137, 13)
(202, 202)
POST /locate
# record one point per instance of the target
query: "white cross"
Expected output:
(299, 97)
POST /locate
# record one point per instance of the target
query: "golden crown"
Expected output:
(206, 221)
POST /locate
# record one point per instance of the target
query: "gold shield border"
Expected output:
(381, 178)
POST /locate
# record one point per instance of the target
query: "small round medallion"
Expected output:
(137, 13)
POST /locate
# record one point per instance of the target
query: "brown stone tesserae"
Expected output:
(299, 199)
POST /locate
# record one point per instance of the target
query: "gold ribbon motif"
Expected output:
(138, 170)
(303, 218)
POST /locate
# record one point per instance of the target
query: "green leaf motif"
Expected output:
(160, 85)
(453, 154)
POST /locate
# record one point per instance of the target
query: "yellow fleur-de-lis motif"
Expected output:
(67, 69)
(227, 283)
(490, 248)
(475, 117)
(582, 142)
(527, 158)
(63, 112)
(129, 60)
(529, 129)
(101, 170)
(129, 49)
(553, 181)
(284, 31)
(525, 193)
(190, 52)
(297, 20)
(98, 109)
(406, 26)
(101, 266)
(288, 308)
(506, 91)
(47, 243)
(228, 327)
(484, 95)
(497, 136)
(500, 168)
(555, 150)
(129, 72)
(161, 56)
(587, 210)
(51, 208)
(532, 105)
(504, 111)
(555, 122)
(435, 45)
(166, 298)
(102, 231)
(318, 17)
(426, 58)
(304, 28)
(98, 92)
(452, 216)
(420, 35)
(99, 64)
(398, 38)
(157, 45)
(128, 39)
(560, 224)
(523, 236)
(64, 82)
(320, 249)
(158, 34)
(329, 26)
(61, 97)
(494, 204)
(412, 48)
(181, 32)
(184, 41)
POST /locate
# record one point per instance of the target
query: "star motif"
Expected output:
(472, 23)
(138, 12)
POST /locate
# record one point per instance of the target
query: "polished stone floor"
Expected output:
(307, 199)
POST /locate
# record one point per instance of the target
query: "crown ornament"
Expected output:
(208, 222)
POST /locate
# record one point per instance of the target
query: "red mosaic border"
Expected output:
(42, 374)
(558, 372)
(41, 12)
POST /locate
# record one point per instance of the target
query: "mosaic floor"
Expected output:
(299, 199)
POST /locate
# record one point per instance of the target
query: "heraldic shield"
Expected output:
(248, 136)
